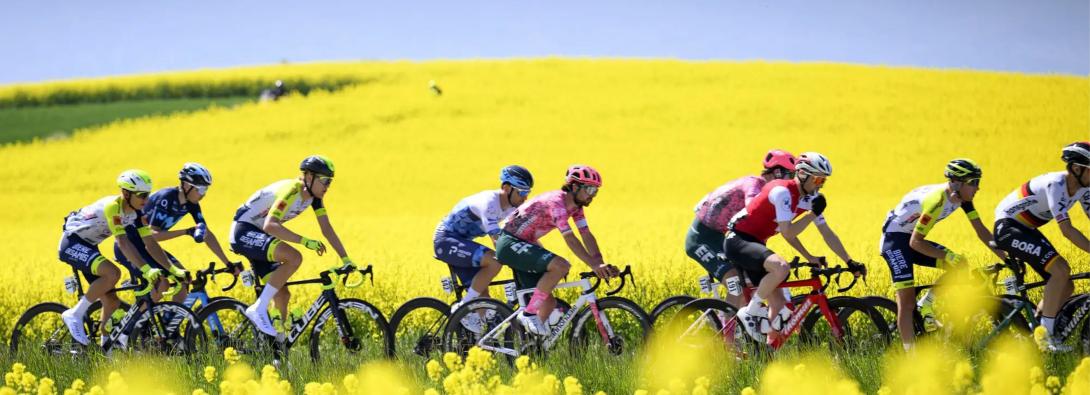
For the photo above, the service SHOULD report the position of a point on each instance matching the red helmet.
(781, 158)
(582, 174)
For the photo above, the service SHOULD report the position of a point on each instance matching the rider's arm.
(930, 212)
(160, 235)
(214, 245)
(577, 248)
(982, 231)
(832, 240)
(327, 229)
(1062, 219)
(274, 225)
(150, 244)
(1074, 235)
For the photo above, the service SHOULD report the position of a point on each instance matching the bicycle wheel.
(417, 327)
(629, 324)
(234, 329)
(41, 332)
(888, 309)
(707, 323)
(358, 330)
(167, 328)
(863, 329)
(494, 315)
(667, 308)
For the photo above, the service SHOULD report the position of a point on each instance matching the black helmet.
(195, 174)
(1077, 153)
(962, 169)
(517, 176)
(317, 164)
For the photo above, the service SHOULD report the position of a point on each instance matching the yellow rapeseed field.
(662, 133)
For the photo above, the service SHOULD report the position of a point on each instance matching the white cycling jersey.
(922, 208)
(1041, 200)
(283, 200)
(102, 219)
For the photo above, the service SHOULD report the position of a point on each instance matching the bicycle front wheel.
(357, 330)
(619, 327)
(167, 328)
(417, 327)
(225, 325)
(40, 332)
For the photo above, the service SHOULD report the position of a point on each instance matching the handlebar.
(211, 272)
(624, 275)
(345, 271)
(831, 274)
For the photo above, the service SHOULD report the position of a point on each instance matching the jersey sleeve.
(1085, 202)
(1053, 193)
(930, 211)
(195, 212)
(580, 220)
(780, 198)
(751, 190)
(112, 213)
(283, 198)
(560, 218)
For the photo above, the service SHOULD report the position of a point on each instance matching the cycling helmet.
(1077, 153)
(962, 169)
(135, 180)
(582, 174)
(517, 176)
(779, 158)
(814, 164)
(317, 164)
(195, 174)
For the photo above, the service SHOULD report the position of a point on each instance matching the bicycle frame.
(586, 298)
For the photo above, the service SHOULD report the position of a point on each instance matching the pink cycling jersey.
(540, 215)
(717, 208)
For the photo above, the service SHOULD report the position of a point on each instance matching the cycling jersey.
(282, 199)
(475, 216)
(102, 219)
(163, 209)
(717, 208)
(1041, 200)
(541, 215)
(779, 200)
(922, 208)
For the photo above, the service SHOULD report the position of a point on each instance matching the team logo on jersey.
(924, 220)
(1028, 248)
(117, 221)
(282, 205)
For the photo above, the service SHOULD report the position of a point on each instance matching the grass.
(24, 124)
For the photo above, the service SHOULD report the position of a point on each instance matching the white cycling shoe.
(751, 321)
(471, 322)
(532, 323)
(261, 320)
(75, 326)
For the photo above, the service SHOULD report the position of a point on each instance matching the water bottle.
(448, 284)
(71, 284)
(199, 231)
(247, 277)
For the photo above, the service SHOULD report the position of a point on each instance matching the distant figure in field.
(274, 93)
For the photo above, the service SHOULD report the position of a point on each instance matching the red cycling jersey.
(779, 200)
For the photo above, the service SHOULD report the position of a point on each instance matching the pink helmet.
(582, 174)
(781, 158)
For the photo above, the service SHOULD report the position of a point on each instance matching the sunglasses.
(973, 182)
(522, 192)
(590, 190)
(325, 180)
(201, 189)
(142, 195)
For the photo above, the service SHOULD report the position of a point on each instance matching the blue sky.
(46, 39)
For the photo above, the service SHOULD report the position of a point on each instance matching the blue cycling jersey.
(163, 209)
(475, 216)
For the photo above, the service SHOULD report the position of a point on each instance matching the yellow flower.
(453, 361)
(748, 391)
(210, 374)
(231, 355)
(46, 387)
(572, 386)
(434, 369)
(199, 391)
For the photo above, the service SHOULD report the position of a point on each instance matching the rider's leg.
(768, 290)
(906, 308)
(1057, 290)
(290, 259)
(282, 297)
(490, 267)
(539, 303)
(108, 276)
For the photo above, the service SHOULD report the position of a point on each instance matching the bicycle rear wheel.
(667, 308)
(629, 324)
(707, 323)
(167, 328)
(234, 329)
(493, 314)
(358, 331)
(863, 329)
(40, 333)
(417, 327)
(888, 309)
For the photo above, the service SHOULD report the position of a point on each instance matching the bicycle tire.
(661, 309)
(623, 339)
(369, 325)
(425, 340)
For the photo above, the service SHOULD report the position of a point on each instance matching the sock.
(470, 295)
(536, 301)
(927, 298)
(1049, 323)
(81, 307)
(266, 296)
(908, 346)
(754, 303)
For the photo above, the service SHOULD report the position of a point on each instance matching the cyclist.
(473, 217)
(258, 233)
(519, 247)
(771, 212)
(1038, 201)
(165, 208)
(85, 228)
(704, 241)
(904, 238)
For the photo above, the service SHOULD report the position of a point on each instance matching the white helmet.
(195, 174)
(135, 180)
(814, 164)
